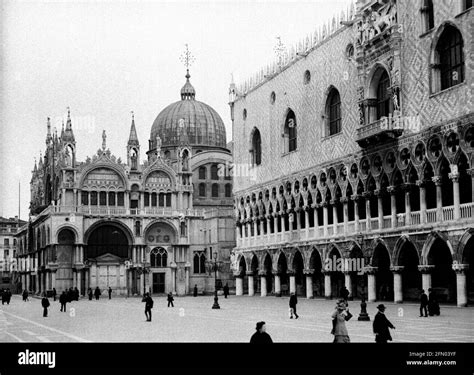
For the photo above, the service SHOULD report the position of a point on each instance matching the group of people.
(97, 293)
(6, 296)
(429, 304)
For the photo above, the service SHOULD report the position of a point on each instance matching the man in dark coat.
(97, 293)
(63, 300)
(381, 325)
(90, 293)
(70, 295)
(293, 302)
(423, 303)
(261, 336)
(195, 290)
(54, 294)
(45, 304)
(25, 295)
(4, 296)
(110, 292)
(76, 294)
(170, 300)
(148, 306)
(226, 290)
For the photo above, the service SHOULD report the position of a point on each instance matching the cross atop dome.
(187, 92)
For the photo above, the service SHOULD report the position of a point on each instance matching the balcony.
(379, 131)
(122, 211)
(446, 214)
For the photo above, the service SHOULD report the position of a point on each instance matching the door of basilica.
(158, 283)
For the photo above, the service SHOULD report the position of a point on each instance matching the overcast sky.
(104, 59)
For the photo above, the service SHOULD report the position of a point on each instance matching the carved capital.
(369, 270)
(308, 271)
(396, 269)
(437, 180)
(460, 268)
(454, 177)
(426, 268)
(344, 200)
(391, 189)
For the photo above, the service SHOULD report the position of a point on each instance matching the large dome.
(202, 125)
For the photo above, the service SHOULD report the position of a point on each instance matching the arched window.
(256, 147)
(202, 173)
(214, 174)
(202, 190)
(168, 199)
(153, 200)
(228, 190)
(449, 52)
(159, 257)
(333, 113)
(383, 96)
(146, 199)
(102, 198)
(85, 198)
(93, 198)
(290, 132)
(199, 262)
(138, 227)
(161, 199)
(215, 190)
(111, 198)
(427, 15)
(121, 199)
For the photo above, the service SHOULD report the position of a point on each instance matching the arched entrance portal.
(411, 276)
(255, 278)
(108, 247)
(383, 276)
(358, 279)
(443, 277)
(298, 267)
(64, 254)
(316, 264)
(337, 276)
(282, 268)
(267, 266)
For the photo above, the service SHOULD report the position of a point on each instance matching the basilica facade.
(360, 147)
(133, 225)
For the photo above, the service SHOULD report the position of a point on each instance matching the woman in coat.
(339, 317)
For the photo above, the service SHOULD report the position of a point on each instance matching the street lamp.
(214, 266)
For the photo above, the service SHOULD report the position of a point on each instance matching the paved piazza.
(193, 320)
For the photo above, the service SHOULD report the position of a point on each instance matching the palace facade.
(133, 225)
(360, 142)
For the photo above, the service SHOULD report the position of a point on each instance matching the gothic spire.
(133, 138)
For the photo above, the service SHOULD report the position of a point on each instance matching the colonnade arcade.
(374, 270)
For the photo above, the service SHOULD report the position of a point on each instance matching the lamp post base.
(216, 303)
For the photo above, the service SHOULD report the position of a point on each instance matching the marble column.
(371, 284)
(407, 205)
(292, 283)
(367, 211)
(251, 283)
(53, 279)
(78, 281)
(439, 198)
(263, 284)
(422, 188)
(316, 220)
(309, 283)
(461, 284)
(306, 221)
(348, 282)
(239, 286)
(355, 198)
(345, 213)
(325, 219)
(397, 284)
(393, 205)
(335, 219)
(277, 285)
(380, 208)
(327, 285)
(456, 198)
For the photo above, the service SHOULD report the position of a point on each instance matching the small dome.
(201, 124)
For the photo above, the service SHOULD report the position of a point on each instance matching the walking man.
(148, 306)
(423, 304)
(195, 290)
(97, 293)
(170, 300)
(25, 295)
(339, 318)
(45, 304)
(345, 294)
(9, 296)
(110, 292)
(293, 302)
(90, 293)
(226, 290)
(54, 294)
(381, 325)
(261, 336)
(63, 300)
